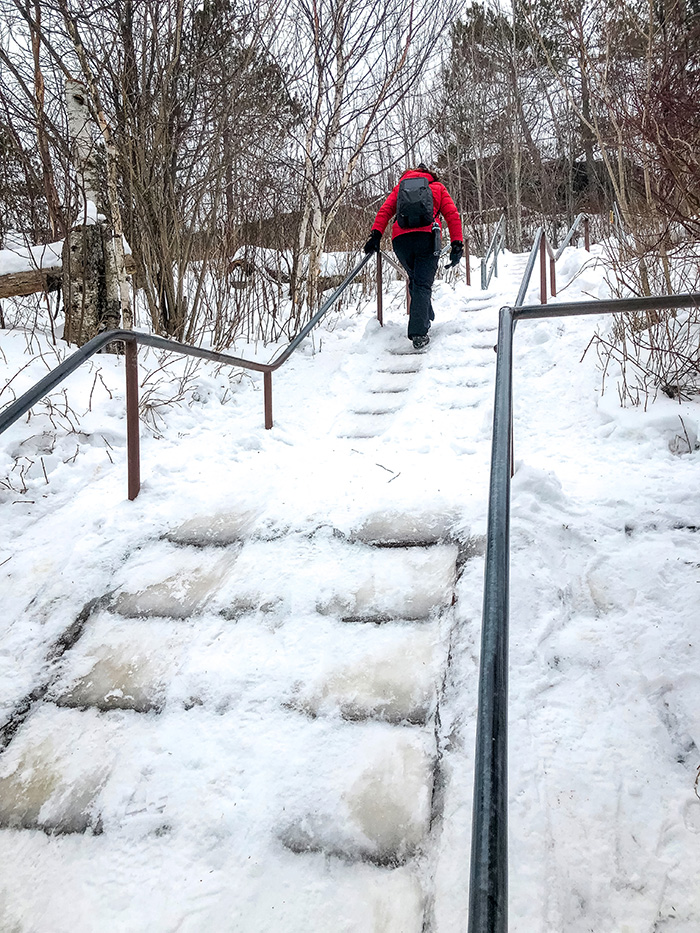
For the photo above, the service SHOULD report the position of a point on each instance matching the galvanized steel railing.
(495, 246)
(580, 219)
(488, 892)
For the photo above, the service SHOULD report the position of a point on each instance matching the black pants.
(415, 253)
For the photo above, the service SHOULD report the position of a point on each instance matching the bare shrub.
(655, 350)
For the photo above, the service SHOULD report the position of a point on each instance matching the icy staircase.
(266, 717)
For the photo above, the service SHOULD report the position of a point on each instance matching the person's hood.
(417, 173)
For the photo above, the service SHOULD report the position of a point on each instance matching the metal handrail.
(580, 219)
(131, 339)
(393, 262)
(495, 245)
(527, 274)
(542, 246)
(488, 888)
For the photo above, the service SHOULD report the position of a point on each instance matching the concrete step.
(362, 792)
(313, 664)
(263, 705)
(331, 576)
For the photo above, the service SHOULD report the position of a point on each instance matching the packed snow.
(245, 701)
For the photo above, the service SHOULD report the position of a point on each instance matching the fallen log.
(47, 279)
(30, 281)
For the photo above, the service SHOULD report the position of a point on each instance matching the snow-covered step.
(388, 673)
(315, 665)
(403, 367)
(458, 379)
(363, 792)
(194, 576)
(193, 883)
(335, 577)
(376, 407)
(390, 382)
(476, 306)
(364, 424)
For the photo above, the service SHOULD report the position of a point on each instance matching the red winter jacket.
(442, 204)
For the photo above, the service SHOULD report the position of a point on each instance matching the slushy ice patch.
(220, 529)
(393, 679)
(122, 664)
(193, 579)
(371, 804)
(49, 777)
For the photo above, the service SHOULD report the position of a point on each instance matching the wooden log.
(30, 281)
(48, 279)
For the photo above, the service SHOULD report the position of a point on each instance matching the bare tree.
(353, 64)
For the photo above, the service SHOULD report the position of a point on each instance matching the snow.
(25, 258)
(252, 690)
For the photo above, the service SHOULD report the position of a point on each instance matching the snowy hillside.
(246, 700)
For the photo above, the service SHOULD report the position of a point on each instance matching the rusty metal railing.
(131, 340)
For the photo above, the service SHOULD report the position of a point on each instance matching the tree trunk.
(83, 283)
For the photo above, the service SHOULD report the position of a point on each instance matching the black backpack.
(414, 206)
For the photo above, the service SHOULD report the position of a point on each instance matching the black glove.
(372, 245)
(456, 253)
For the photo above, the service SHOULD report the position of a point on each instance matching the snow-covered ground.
(246, 700)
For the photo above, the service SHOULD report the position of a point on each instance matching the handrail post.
(466, 256)
(483, 274)
(543, 269)
(267, 393)
(488, 884)
(133, 444)
(380, 288)
(586, 234)
(553, 275)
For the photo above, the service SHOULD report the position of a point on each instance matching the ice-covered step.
(388, 526)
(397, 527)
(125, 664)
(313, 664)
(370, 801)
(363, 791)
(194, 577)
(335, 577)
(295, 573)
(218, 529)
(53, 770)
(386, 673)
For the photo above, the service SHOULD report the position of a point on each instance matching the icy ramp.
(242, 736)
